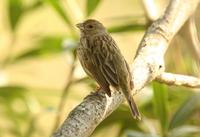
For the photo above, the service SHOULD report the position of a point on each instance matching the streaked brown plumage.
(102, 60)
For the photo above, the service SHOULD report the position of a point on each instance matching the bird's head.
(91, 27)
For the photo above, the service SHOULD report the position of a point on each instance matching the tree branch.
(194, 37)
(64, 95)
(179, 80)
(189, 34)
(147, 65)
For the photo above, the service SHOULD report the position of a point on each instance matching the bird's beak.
(80, 26)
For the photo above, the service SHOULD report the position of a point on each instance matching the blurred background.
(41, 80)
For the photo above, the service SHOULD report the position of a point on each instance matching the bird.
(103, 61)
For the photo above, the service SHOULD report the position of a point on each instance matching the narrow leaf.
(127, 28)
(59, 9)
(9, 92)
(161, 104)
(46, 46)
(15, 12)
(184, 111)
(91, 6)
(183, 131)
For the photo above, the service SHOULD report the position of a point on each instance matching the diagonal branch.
(194, 37)
(147, 65)
(179, 80)
(189, 34)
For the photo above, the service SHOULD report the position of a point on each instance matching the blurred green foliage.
(168, 112)
(15, 10)
(161, 105)
(45, 46)
(60, 10)
(92, 5)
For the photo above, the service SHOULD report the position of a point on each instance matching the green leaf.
(46, 46)
(15, 12)
(177, 96)
(10, 92)
(184, 131)
(59, 9)
(127, 28)
(91, 6)
(184, 111)
(161, 104)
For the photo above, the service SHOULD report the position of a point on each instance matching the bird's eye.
(90, 26)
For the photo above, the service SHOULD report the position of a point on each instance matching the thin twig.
(63, 96)
(80, 80)
(194, 36)
(189, 35)
(179, 80)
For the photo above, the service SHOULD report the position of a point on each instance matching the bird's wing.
(83, 58)
(103, 54)
(87, 60)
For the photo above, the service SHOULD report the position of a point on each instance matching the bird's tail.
(133, 107)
